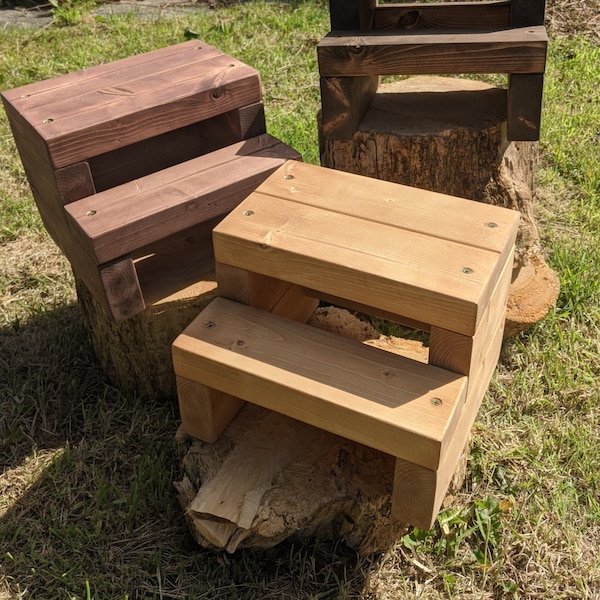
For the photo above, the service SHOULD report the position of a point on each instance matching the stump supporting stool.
(438, 263)
(131, 163)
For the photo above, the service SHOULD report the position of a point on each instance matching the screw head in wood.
(209, 324)
(492, 225)
(436, 401)
(288, 177)
(467, 270)
(248, 213)
(90, 213)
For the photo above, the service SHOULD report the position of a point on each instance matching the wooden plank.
(434, 214)
(345, 54)
(122, 219)
(357, 248)
(173, 147)
(108, 75)
(524, 107)
(344, 102)
(457, 15)
(527, 13)
(382, 400)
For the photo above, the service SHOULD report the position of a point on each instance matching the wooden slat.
(382, 400)
(345, 54)
(442, 15)
(363, 240)
(120, 220)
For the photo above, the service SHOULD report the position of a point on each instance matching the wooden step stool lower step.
(385, 401)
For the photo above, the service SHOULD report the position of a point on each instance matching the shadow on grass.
(87, 505)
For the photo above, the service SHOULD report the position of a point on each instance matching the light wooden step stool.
(369, 40)
(440, 263)
(131, 163)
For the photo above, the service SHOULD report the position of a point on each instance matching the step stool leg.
(205, 412)
(344, 101)
(524, 106)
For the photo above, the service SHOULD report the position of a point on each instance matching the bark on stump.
(449, 135)
(269, 478)
(136, 354)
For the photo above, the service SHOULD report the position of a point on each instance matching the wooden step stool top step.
(431, 258)
(86, 113)
(376, 398)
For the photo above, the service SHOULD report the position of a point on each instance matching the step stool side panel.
(465, 354)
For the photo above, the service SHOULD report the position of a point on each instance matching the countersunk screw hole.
(288, 177)
(90, 213)
(248, 213)
(492, 225)
(209, 324)
(47, 120)
(467, 270)
(436, 402)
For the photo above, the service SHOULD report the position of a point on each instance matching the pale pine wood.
(519, 50)
(205, 412)
(371, 252)
(342, 386)
(120, 220)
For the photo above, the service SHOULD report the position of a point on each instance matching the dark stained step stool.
(127, 159)
(369, 40)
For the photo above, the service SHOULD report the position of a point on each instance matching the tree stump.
(449, 135)
(269, 478)
(136, 354)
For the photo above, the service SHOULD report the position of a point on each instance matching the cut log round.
(136, 354)
(449, 135)
(269, 478)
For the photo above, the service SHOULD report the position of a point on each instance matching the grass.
(87, 508)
